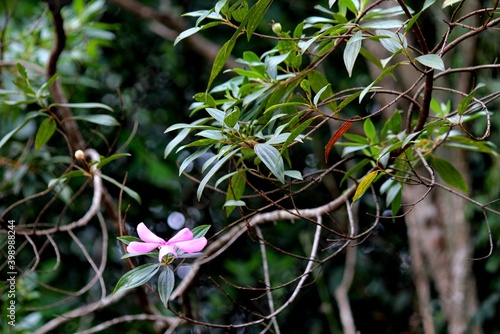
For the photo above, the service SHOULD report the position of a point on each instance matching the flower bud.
(276, 28)
(79, 155)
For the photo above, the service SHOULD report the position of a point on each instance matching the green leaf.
(450, 175)
(393, 193)
(354, 169)
(176, 141)
(370, 130)
(306, 86)
(212, 171)
(192, 126)
(232, 204)
(90, 105)
(272, 64)
(22, 71)
(166, 282)
(45, 132)
(409, 138)
(126, 189)
(271, 157)
(380, 77)
(235, 190)
(427, 4)
(137, 277)
(470, 144)
(296, 132)
(391, 41)
(447, 3)
(187, 33)
(318, 95)
(222, 56)
(364, 184)
(317, 82)
(217, 114)
(105, 161)
(186, 129)
(466, 101)
(255, 16)
(72, 174)
(45, 86)
(192, 158)
(28, 118)
(350, 4)
(232, 117)
(294, 174)
(200, 231)
(126, 239)
(216, 135)
(393, 125)
(432, 61)
(240, 13)
(351, 51)
(206, 99)
(105, 120)
(396, 202)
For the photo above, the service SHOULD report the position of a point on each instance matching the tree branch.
(197, 43)
(69, 125)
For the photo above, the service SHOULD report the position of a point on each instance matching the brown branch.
(91, 212)
(424, 109)
(170, 23)
(69, 126)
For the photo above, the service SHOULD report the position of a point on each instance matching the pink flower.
(183, 241)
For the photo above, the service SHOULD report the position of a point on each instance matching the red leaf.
(336, 136)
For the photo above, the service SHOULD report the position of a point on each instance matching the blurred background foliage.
(115, 58)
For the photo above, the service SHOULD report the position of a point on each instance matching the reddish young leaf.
(336, 136)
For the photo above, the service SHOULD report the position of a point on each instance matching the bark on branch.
(197, 43)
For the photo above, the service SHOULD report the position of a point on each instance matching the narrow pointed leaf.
(380, 77)
(105, 120)
(107, 160)
(126, 189)
(212, 171)
(200, 231)
(294, 174)
(351, 51)
(221, 57)
(21, 70)
(89, 105)
(466, 101)
(255, 16)
(432, 61)
(9, 135)
(192, 158)
(166, 282)
(447, 3)
(232, 204)
(336, 136)
(271, 157)
(176, 141)
(126, 239)
(235, 190)
(45, 132)
(137, 277)
(187, 33)
(363, 185)
(450, 175)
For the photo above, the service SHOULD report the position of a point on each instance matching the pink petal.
(183, 235)
(136, 247)
(191, 246)
(147, 236)
(164, 250)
